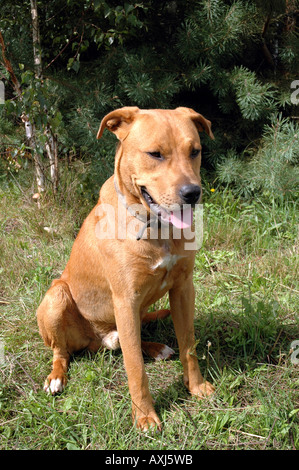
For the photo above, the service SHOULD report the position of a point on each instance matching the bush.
(270, 169)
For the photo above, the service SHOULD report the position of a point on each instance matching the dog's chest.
(168, 262)
(165, 266)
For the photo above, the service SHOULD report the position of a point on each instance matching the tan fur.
(109, 284)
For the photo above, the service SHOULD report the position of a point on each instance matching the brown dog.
(117, 269)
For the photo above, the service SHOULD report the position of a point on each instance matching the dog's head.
(158, 160)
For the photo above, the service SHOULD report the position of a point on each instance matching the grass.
(246, 319)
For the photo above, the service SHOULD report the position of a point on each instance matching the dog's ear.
(200, 121)
(118, 122)
(203, 124)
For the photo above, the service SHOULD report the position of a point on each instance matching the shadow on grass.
(240, 342)
(258, 334)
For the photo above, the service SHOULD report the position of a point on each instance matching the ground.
(246, 320)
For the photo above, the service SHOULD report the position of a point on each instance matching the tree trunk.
(39, 169)
(37, 55)
(51, 143)
(51, 148)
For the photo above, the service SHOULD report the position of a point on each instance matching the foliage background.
(233, 61)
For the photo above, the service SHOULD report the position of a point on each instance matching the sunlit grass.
(246, 318)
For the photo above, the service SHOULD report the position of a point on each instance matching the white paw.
(55, 386)
(111, 340)
(165, 353)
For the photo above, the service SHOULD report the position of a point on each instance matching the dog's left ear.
(200, 121)
(118, 122)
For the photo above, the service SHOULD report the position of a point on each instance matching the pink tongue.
(182, 219)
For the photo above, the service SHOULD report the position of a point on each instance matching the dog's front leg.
(182, 299)
(128, 326)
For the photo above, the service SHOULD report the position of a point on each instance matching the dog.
(111, 279)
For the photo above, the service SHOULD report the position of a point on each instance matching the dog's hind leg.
(56, 381)
(63, 329)
(157, 351)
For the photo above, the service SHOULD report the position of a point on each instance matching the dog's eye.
(194, 153)
(156, 155)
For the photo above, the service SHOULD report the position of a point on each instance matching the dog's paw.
(149, 423)
(203, 390)
(53, 386)
(157, 351)
(165, 353)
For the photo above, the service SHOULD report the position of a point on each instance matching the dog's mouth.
(180, 218)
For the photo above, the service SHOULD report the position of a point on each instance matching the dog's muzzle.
(181, 216)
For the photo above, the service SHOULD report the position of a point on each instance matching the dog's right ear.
(118, 122)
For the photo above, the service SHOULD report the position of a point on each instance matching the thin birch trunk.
(39, 169)
(37, 53)
(51, 143)
(51, 148)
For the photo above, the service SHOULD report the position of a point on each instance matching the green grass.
(246, 319)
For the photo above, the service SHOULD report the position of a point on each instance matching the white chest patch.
(168, 262)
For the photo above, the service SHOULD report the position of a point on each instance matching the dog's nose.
(190, 193)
